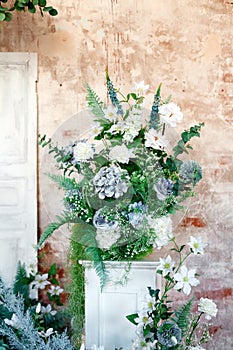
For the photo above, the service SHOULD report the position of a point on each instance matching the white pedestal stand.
(106, 311)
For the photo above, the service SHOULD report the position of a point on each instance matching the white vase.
(105, 311)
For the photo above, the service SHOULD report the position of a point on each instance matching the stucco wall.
(185, 44)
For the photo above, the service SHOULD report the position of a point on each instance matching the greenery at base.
(76, 306)
(24, 5)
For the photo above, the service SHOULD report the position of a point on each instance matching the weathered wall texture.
(188, 46)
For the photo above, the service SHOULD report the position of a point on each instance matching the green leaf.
(94, 102)
(31, 8)
(35, 2)
(53, 269)
(132, 318)
(8, 17)
(2, 16)
(47, 8)
(3, 9)
(53, 12)
(154, 293)
(42, 3)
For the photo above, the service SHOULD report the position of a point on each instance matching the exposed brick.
(192, 221)
(215, 294)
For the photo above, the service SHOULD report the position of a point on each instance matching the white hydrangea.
(121, 154)
(208, 307)
(163, 230)
(83, 151)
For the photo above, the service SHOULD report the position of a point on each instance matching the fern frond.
(85, 234)
(94, 102)
(21, 283)
(65, 218)
(182, 316)
(64, 182)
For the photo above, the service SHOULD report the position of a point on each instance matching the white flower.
(140, 88)
(110, 113)
(196, 348)
(148, 303)
(13, 322)
(166, 265)
(197, 245)
(55, 290)
(208, 307)
(40, 281)
(170, 114)
(155, 139)
(185, 279)
(95, 347)
(48, 310)
(47, 333)
(121, 154)
(107, 237)
(129, 134)
(117, 128)
(38, 308)
(163, 230)
(83, 151)
(95, 130)
(143, 319)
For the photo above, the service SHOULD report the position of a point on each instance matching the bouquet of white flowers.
(122, 184)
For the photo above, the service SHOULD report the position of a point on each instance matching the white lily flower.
(40, 281)
(197, 245)
(48, 310)
(47, 333)
(140, 88)
(166, 265)
(13, 322)
(110, 113)
(185, 279)
(55, 290)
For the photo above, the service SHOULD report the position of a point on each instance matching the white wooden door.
(18, 158)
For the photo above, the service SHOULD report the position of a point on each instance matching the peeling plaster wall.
(187, 45)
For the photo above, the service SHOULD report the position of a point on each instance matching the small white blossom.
(148, 303)
(155, 140)
(13, 322)
(38, 308)
(143, 319)
(95, 130)
(55, 290)
(185, 279)
(140, 88)
(196, 348)
(208, 307)
(110, 113)
(83, 151)
(197, 245)
(166, 265)
(40, 281)
(47, 333)
(170, 114)
(121, 154)
(48, 310)
(129, 134)
(117, 128)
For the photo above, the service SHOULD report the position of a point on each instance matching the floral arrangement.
(28, 323)
(159, 324)
(122, 183)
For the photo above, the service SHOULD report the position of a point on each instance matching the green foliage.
(186, 136)
(76, 304)
(94, 103)
(182, 316)
(63, 219)
(25, 5)
(21, 284)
